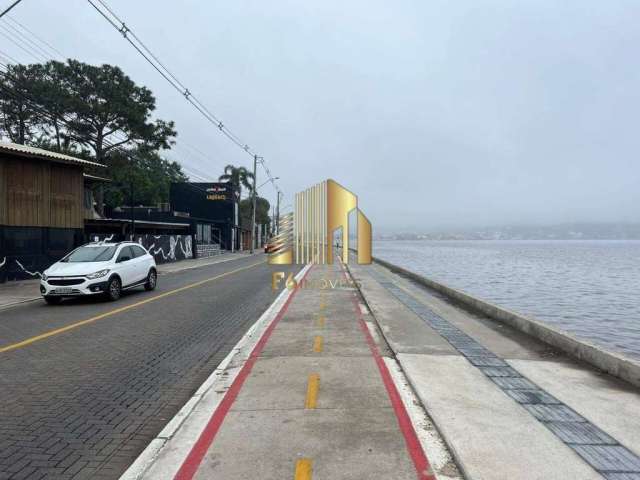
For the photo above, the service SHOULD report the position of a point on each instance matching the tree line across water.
(100, 114)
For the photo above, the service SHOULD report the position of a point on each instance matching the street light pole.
(253, 214)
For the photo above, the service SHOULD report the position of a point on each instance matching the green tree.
(19, 115)
(239, 177)
(146, 171)
(262, 212)
(105, 105)
(96, 113)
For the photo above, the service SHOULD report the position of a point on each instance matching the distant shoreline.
(564, 231)
(387, 239)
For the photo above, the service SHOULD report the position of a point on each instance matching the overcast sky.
(435, 113)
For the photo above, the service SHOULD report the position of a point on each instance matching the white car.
(99, 268)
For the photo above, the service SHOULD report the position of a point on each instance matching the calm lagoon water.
(589, 288)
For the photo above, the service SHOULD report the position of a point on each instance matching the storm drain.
(601, 451)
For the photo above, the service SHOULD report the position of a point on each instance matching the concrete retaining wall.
(609, 362)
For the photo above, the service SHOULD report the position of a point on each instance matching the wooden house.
(42, 208)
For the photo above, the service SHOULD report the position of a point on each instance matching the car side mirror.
(124, 259)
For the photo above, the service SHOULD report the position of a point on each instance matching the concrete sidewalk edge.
(245, 345)
(438, 449)
(19, 302)
(188, 265)
(612, 363)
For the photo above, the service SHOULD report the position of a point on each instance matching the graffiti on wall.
(164, 248)
(167, 248)
(33, 274)
(21, 270)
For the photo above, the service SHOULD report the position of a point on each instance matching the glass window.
(138, 251)
(203, 234)
(91, 254)
(199, 232)
(125, 252)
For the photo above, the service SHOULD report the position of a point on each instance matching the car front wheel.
(52, 300)
(114, 289)
(152, 280)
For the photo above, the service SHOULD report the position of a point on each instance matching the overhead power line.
(22, 46)
(32, 48)
(21, 41)
(53, 51)
(64, 120)
(14, 30)
(129, 35)
(8, 57)
(6, 10)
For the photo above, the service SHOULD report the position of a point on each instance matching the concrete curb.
(19, 302)
(221, 378)
(202, 265)
(609, 362)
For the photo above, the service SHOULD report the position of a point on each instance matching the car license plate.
(63, 290)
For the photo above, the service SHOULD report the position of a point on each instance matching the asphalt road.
(84, 386)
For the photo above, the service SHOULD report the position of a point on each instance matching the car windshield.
(91, 254)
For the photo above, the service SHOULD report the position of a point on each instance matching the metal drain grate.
(580, 433)
(499, 372)
(601, 451)
(532, 397)
(609, 457)
(513, 383)
(622, 476)
(487, 362)
(554, 413)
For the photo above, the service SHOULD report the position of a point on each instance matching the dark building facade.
(213, 210)
(210, 210)
(42, 208)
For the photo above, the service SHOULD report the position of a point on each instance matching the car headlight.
(98, 274)
(45, 276)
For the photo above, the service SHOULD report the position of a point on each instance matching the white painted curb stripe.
(442, 464)
(146, 459)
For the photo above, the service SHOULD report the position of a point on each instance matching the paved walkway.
(508, 405)
(319, 391)
(314, 398)
(14, 293)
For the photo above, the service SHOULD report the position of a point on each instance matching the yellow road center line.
(312, 391)
(317, 344)
(304, 469)
(321, 321)
(81, 323)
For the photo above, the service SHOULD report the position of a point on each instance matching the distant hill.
(568, 231)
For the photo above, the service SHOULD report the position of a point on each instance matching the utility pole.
(253, 214)
(272, 231)
(278, 214)
(9, 8)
